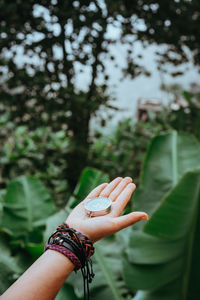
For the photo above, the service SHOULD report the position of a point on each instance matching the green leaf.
(107, 256)
(2, 195)
(150, 253)
(66, 292)
(27, 202)
(6, 258)
(168, 158)
(151, 277)
(89, 179)
(176, 222)
(175, 215)
(162, 260)
(34, 249)
(53, 221)
(167, 293)
(107, 265)
(9, 269)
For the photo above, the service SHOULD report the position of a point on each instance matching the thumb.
(130, 219)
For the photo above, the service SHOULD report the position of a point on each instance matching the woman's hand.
(119, 191)
(46, 276)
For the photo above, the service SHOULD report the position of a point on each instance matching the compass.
(98, 206)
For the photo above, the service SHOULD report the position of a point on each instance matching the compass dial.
(98, 206)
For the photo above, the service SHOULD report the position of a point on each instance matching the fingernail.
(144, 218)
(128, 178)
(132, 185)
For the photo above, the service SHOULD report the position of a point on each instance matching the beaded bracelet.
(77, 247)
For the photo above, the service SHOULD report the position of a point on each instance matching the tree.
(55, 38)
(172, 24)
(45, 45)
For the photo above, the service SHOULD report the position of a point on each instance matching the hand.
(119, 191)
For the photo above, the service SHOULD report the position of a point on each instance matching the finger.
(130, 219)
(119, 188)
(122, 200)
(106, 192)
(95, 192)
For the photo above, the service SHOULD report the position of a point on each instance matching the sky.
(128, 91)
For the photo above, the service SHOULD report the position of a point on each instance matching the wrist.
(59, 261)
(77, 248)
(72, 243)
(80, 229)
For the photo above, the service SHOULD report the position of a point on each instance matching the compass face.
(98, 204)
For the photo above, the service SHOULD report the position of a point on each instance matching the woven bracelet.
(77, 247)
(68, 253)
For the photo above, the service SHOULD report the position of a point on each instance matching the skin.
(46, 276)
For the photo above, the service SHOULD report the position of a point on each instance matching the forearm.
(43, 279)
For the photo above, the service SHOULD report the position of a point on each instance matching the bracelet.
(75, 246)
(68, 253)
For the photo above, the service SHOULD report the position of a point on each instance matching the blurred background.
(91, 90)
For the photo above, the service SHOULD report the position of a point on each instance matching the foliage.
(26, 204)
(39, 152)
(157, 255)
(169, 156)
(42, 152)
(162, 23)
(162, 256)
(38, 89)
(186, 116)
(23, 226)
(123, 150)
(46, 45)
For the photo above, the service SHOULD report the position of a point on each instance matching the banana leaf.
(26, 205)
(169, 156)
(162, 260)
(169, 261)
(66, 292)
(9, 268)
(107, 265)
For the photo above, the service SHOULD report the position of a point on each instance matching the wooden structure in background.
(144, 106)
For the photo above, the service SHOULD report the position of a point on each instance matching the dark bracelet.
(77, 247)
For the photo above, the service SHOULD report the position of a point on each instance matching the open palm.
(119, 191)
